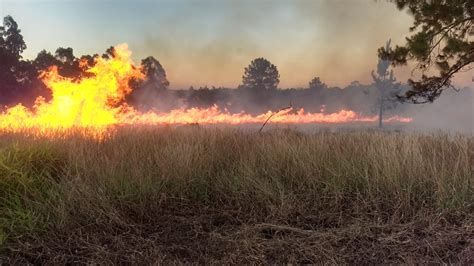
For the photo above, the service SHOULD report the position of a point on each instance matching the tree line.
(20, 82)
(442, 39)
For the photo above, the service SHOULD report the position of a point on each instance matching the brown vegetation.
(148, 195)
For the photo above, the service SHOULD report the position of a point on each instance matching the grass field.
(173, 195)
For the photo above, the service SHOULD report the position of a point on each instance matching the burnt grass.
(193, 195)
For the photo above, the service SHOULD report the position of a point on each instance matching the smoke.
(206, 43)
(453, 112)
(210, 43)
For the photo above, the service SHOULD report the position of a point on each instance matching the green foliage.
(441, 38)
(29, 188)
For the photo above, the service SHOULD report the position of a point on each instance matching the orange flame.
(96, 103)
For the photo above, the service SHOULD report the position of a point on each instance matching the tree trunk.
(380, 113)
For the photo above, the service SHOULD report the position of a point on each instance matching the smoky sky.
(209, 42)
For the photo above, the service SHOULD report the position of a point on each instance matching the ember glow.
(96, 103)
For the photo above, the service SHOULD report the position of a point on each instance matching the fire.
(87, 103)
(214, 115)
(96, 103)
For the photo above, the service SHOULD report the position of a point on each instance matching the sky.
(210, 42)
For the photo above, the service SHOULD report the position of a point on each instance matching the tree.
(12, 46)
(68, 65)
(88, 61)
(11, 40)
(65, 55)
(155, 75)
(147, 92)
(441, 37)
(261, 75)
(109, 53)
(317, 84)
(384, 82)
(44, 60)
(65, 60)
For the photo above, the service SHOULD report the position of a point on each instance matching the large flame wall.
(97, 102)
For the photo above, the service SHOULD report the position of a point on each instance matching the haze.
(209, 42)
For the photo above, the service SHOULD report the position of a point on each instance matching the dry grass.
(187, 194)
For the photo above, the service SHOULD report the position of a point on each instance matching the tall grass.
(283, 176)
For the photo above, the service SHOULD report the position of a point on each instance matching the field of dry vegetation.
(173, 195)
